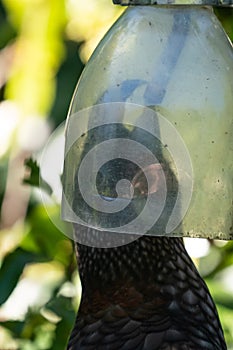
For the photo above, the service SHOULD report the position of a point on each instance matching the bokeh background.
(44, 45)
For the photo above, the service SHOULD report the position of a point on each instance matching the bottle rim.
(219, 3)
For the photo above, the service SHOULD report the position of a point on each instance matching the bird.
(144, 295)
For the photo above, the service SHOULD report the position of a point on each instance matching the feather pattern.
(144, 295)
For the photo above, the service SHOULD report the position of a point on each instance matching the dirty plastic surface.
(178, 63)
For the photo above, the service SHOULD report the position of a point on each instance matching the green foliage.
(34, 179)
(62, 306)
(39, 26)
(216, 268)
(225, 16)
(12, 269)
(7, 32)
(43, 244)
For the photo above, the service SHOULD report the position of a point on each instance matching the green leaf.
(45, 239)
(15, 327)
(11, 270)
(35, 179)
(62, 307)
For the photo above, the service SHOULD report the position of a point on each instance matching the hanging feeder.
(149, 132)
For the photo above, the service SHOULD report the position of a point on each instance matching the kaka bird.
(143, 295)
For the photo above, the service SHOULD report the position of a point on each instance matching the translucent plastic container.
(159, 84)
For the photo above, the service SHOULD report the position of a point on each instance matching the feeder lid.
(174, 2)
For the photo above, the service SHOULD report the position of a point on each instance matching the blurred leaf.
(39, 51)
(35, 332)
(220, 295)
(227, 325)
(67, 78)
(62, 307)
(224, 257)
(11, 270)
(3, 177)
(45, 239)
(225, 15)
(33, 320)
(227, 256)
(7, 31)
(14, 327)
(35, 179)
(210, 262)
(224, 303)
(43, 236)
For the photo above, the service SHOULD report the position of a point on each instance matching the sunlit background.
(44, 45)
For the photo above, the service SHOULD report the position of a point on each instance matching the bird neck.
(143, 259)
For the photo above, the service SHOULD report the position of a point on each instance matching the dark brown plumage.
(145, 295)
